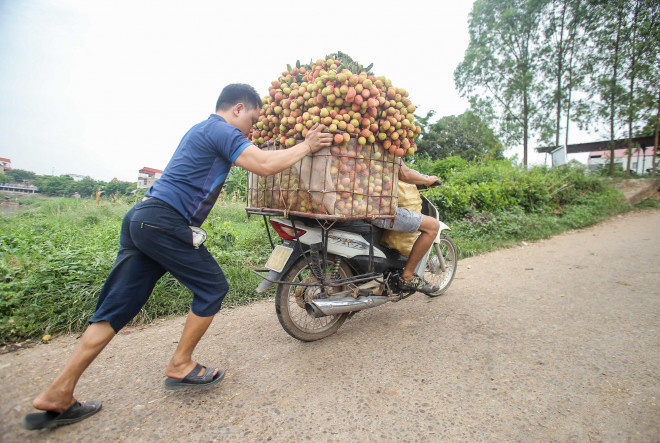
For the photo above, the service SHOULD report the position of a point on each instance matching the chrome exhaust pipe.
(332, 306)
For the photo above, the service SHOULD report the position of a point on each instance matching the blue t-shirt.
(193, 178)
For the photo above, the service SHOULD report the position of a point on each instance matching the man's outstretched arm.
(271, 162)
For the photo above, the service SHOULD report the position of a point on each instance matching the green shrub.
(498, 185)
(447, 166)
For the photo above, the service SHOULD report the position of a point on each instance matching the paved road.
(552, 341)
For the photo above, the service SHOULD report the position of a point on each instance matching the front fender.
(443, 227)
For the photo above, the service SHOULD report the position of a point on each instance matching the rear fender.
(274, 275)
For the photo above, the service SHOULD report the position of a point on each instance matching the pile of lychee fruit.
(373, 124)
(350, 104)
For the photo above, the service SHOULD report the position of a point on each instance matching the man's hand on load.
(317, 139)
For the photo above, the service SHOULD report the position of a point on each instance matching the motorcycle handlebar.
(437, 184)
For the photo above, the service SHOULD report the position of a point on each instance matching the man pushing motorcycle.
(162, 234)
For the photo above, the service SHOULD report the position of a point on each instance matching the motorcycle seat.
(356, 226)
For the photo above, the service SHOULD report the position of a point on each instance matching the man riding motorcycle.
(411, 221)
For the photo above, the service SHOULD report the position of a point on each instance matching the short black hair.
(238, 93)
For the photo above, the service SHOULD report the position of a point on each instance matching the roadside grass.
(55, 253)
(487, 231)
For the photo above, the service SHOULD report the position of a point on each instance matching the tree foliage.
(19, 175)
(54, 185)
(465, 135)
(118, 188)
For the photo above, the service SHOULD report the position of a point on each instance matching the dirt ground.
(557, 340)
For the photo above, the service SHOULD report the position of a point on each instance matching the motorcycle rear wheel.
(290, 299)
(434, 273)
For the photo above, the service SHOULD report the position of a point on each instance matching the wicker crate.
(347, 182)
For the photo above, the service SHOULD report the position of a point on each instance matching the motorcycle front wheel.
(290, 300)
(434, 273)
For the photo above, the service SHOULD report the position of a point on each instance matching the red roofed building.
(5, 164)
(147, 177)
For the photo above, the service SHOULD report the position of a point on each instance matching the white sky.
(104, 88)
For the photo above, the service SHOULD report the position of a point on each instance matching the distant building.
(147, 177)
(5, 164)
(600, 151)
(18, 188)
(641, 162)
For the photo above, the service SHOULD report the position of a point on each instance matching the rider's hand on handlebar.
(432, 181)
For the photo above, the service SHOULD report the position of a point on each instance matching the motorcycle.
(327, 271)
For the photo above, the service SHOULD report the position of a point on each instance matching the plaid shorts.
(405, 221)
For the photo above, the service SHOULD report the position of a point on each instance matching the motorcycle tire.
(434, 273)
(290, 300)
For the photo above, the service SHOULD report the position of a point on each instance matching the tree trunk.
(569, 99)
(633, 70)
(655, 145)
(525, 126)
(560, 73)
(613, 89)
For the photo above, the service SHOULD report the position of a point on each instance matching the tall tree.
(606, 28)
(575, 70)
(501, 63)
(655, 147)
(649, 71)
(563, 40)
(632, 73)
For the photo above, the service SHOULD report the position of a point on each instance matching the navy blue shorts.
(156, 239)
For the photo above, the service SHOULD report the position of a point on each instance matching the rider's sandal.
(417, 284)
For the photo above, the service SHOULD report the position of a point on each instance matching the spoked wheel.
(434, 273)
(290, 300)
